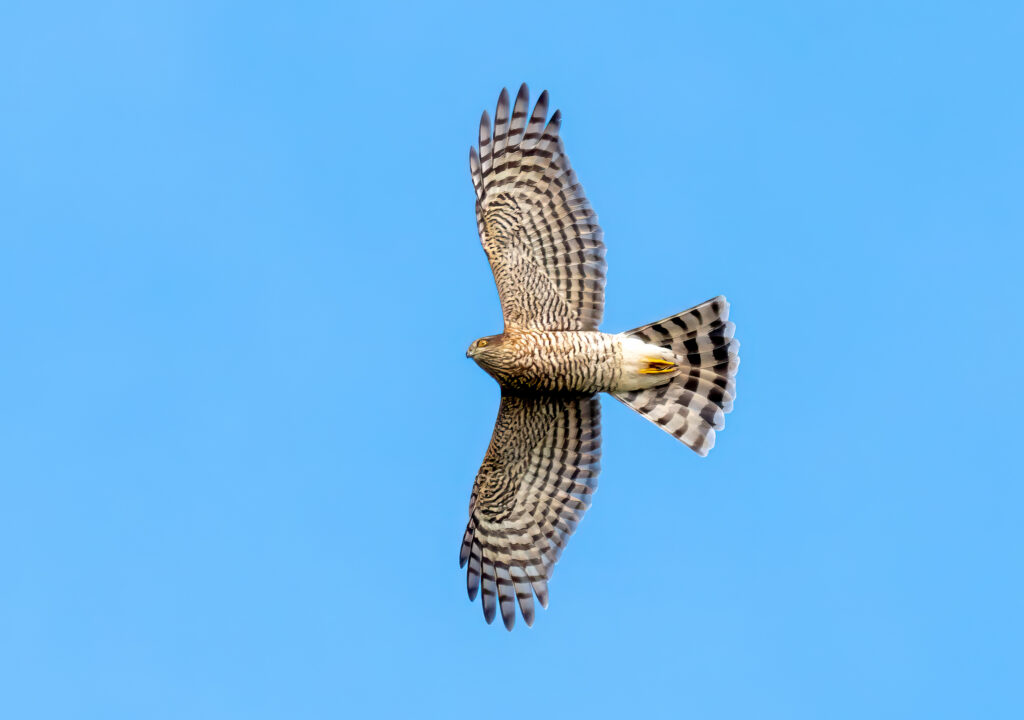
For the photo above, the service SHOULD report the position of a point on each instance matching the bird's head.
(488, 351)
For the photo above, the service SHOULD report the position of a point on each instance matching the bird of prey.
(546, 251)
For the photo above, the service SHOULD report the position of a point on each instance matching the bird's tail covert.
(692, 405)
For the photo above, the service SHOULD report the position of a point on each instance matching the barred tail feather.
(692, 405)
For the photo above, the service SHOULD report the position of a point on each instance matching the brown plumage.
(547, 254)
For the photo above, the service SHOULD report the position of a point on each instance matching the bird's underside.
(574, 361)
(547, 254)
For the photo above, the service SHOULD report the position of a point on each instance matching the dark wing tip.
(540, 589)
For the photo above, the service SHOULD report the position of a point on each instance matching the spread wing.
(537, 228)
(533, 487)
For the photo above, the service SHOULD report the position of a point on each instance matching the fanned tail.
(692, 405)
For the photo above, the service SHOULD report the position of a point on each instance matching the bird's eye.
(481, 343)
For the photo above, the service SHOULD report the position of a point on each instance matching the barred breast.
(561, 361)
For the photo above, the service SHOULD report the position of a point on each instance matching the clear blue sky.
(239, 270)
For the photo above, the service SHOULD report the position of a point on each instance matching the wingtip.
(541, 591)
(707, 445)
(526, 607)
(523, 97)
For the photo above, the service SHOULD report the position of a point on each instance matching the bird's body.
(581, 361)
(546, 251)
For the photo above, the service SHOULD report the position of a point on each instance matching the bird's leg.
(657, 366)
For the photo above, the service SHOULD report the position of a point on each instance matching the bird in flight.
(546, 251)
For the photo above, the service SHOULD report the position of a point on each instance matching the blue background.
(239, 270)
